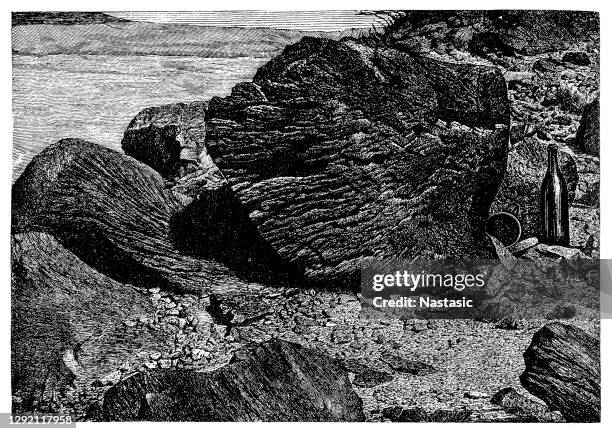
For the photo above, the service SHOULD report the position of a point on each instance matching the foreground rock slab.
(274, 381)
(562, 368)
(68, 322)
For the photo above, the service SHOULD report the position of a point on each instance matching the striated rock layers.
(67, 325)
(341, 152)
(273, 381)
(562, 368)
(112, 212)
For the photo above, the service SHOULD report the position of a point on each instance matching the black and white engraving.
(196, 195)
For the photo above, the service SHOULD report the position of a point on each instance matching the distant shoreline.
(63, 18)
(142, 39)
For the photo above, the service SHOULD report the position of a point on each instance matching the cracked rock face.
(172, 140)
(112, 212)
(254, 386)
(342, 152)
(167, 138)
(562, 367)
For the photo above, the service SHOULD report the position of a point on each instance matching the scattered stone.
(109, 380)
(476, 395)
(510, 323)
(164, 363)
(401, 364)
(546, 65)
(198, 354)
(522, 246)
(587, 137)
(341, 336)
(563, 311)
(365, 376)
(561, 252)
(523, 77)
(525, 408)
(240, 306)
(579, 58)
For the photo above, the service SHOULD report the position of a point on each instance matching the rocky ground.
(451, 365)
(403, 370)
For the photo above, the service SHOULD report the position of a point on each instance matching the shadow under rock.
(217, 226)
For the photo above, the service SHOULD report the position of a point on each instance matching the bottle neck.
(553, 164)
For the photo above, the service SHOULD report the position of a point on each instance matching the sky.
(294, 20)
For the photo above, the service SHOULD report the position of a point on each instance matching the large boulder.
(340, 152)
(171, 139)
(273, 381)
(562, 368)
(112, 212)
(587, 137)
(167, 138)
(68, 322)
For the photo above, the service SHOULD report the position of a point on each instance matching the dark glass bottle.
(554, 208)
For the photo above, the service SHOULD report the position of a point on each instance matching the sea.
(94, 97)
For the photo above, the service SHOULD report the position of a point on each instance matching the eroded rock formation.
(273, 381)
(362, 152)
(562, 368)
(67, 324)
(111, 211)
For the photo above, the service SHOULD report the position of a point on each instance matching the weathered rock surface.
(366, 376)
(169, 138)
(68, 322)
(172, 140)
(112, 212)
(579, 58)
(274, 381)
(362, 153)
(502, 32)
(587, 137)
(526, 409)
(397, 413)
(562, 368)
